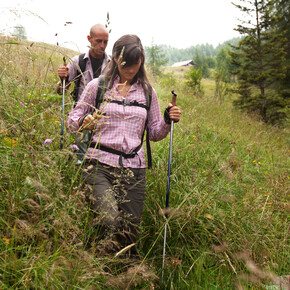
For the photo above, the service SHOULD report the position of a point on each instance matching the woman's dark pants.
(117, 197)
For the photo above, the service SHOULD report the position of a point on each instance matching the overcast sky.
(178, 23)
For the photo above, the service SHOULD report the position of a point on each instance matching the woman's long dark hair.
(128, 49)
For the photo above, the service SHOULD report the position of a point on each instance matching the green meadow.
(228, 219)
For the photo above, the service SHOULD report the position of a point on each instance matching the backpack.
(99, 99)
(81, 69)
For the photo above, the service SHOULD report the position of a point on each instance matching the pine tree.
(200, 62)
(155, 58)
(222, 73)
(223, 63)
(259, 60)
(282, 12)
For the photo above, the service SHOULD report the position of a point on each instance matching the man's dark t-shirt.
(96, 65)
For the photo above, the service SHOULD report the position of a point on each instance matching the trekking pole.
(62, 109)
(168, 182)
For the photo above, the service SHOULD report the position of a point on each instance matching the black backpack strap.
(149, 156)
(81, 69)
(117, 152)
(101, 91)
(126, 103)
(99, 99)
(148, 95)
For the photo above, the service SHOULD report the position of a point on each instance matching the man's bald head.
(98, 39)
(98, 28)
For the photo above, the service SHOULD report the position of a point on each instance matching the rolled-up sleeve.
(158, 129)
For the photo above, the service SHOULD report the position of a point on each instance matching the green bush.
(193, 80)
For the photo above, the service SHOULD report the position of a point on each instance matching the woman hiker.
(115, 166)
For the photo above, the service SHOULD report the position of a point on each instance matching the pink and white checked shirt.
(122, 127)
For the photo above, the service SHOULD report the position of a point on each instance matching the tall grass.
(228, 221)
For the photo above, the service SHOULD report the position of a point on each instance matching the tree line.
(173, 55)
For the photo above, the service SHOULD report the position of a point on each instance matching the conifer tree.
(282, 12)
(259, 60)
(223, 63)
(155, 58)
(200, 62)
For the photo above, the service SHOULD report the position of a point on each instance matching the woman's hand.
(174, 112)
(88, 122)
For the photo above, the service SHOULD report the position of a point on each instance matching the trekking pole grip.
(64, 61)
(173, 102)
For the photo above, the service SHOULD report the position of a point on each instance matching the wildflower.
(47, 141)
(175, 261)
(209, 216)
(6, 241)
(74, 147)
(260, 188)
(254, 161)
(193, 136)
(22, 104)
(203, 171)
(9, 142)
(259, 163)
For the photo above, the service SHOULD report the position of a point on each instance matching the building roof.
(183, 63)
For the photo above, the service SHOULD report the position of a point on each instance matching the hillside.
(228, 222)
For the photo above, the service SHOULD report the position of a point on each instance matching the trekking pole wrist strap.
(166, 116)
(81, 121)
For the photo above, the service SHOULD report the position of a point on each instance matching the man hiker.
(85, 67)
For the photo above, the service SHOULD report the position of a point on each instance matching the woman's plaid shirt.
(122, 126)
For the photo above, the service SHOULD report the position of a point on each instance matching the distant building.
(183, 63)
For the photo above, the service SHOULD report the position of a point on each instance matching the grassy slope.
(231, 188)
(229, 191)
